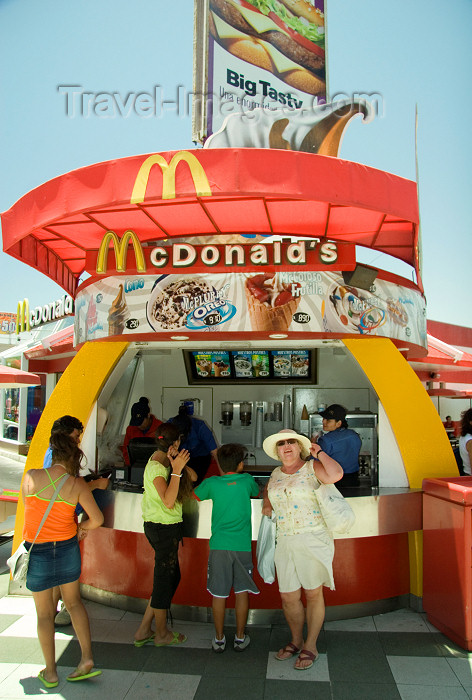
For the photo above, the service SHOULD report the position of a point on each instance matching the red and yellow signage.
(26, 319)
(200, 180)
(7, 323)
(314, 254)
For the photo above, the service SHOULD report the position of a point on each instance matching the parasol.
(11, 378)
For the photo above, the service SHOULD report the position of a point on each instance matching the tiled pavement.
(394, 655)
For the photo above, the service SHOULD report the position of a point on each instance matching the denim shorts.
(52, 564)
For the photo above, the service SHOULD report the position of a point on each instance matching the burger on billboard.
(259, 53)
(294, 28)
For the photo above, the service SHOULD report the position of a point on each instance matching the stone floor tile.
(164, 685)
(284, 670)
(400, 621)
(415, 670)
(359, 624)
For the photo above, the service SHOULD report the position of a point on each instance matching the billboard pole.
(200, 70)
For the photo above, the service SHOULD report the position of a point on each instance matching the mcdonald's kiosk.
(220, 274)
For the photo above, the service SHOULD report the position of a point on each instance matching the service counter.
(371, 563)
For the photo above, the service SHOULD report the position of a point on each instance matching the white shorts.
(304, 561)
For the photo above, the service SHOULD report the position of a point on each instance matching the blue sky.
(408, 54)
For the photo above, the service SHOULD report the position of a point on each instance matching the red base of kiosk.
(365, 569)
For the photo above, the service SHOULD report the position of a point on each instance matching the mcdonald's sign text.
(26, 319)
(316, 254)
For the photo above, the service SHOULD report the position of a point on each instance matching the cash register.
(139, 451)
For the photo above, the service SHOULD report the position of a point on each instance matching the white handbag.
(336, 511)
(18, 563)
(265, 549)
(19, 560)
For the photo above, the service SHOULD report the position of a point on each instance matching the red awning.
(259, 191)
(55, 344)
(444, 364)
(441, 354)
(12, 378)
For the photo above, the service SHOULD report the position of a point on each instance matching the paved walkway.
(394, 655)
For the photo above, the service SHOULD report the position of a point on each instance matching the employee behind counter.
(198, 439)
(143, 424)
(341, 443)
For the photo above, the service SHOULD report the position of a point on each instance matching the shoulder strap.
(48, 509)
(47, 485)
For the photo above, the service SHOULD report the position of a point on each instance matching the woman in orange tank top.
(55, 556)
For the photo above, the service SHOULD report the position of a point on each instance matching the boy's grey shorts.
(228, 570)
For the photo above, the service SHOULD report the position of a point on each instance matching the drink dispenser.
(227, 412)
(245, 413)
(237, 424)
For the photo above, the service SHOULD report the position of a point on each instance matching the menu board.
(251, 366)
(251, 363)
(212, 364)
(291, 364)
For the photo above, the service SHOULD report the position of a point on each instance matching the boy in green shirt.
(230, 562)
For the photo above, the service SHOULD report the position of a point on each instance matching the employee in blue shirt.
(341, 443)
(198, 439)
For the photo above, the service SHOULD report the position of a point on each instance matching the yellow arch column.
(75, 394)
(424, 445)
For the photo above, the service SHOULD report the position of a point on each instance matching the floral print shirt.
(294, 501)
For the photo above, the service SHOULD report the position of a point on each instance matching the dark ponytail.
(66, 451)
(166, 435)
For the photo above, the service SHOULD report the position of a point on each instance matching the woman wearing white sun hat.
(305, 548)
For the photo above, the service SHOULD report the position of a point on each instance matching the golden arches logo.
(200, 180)
(121, 249)
(22, 316)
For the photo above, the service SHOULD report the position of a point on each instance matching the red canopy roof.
(12, 378)
(55, 344)
(260, 191)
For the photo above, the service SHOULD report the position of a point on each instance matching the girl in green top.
(167, 482)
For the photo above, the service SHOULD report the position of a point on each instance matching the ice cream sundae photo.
(397, 313)
(270, 302)
(242, 366)
(173, 299)
(300, 366)
(204, 367)
(282, 366)
(220, 368)
(348, 310)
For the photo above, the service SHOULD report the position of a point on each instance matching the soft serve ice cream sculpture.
(316, 130)
(270, 303)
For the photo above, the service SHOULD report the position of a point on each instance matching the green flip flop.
(83, 676)
(175, 640)
(47, 684)
(142, 642)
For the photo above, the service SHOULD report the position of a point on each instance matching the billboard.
(252, 54)
(7, 323)
(266, 301)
